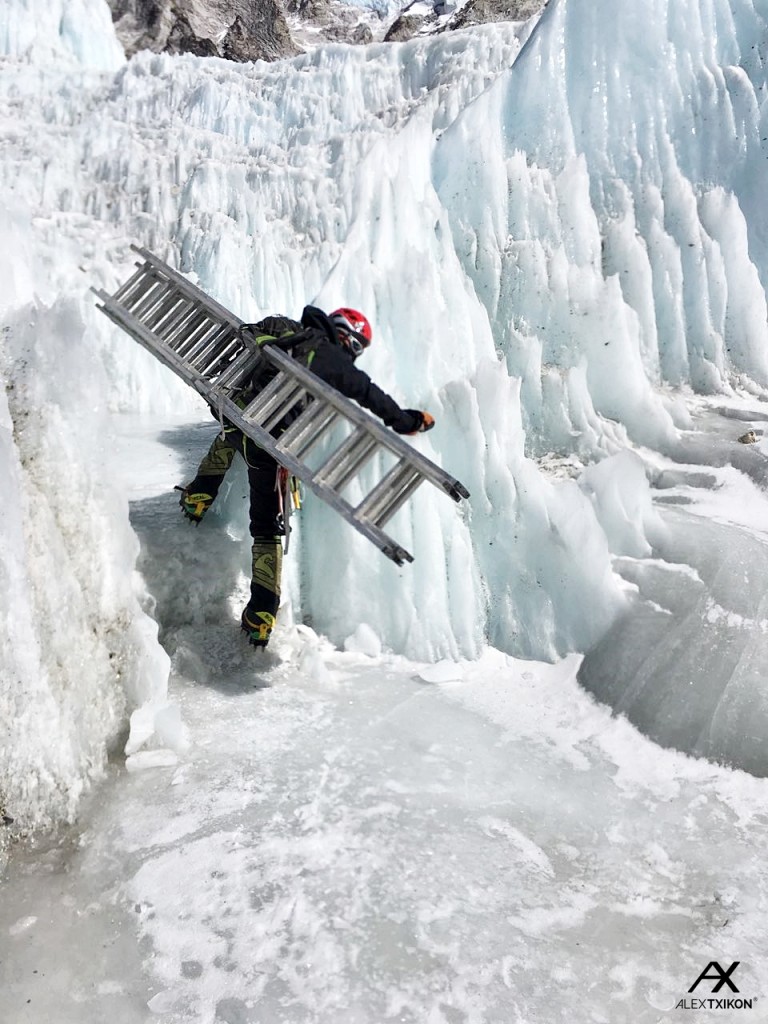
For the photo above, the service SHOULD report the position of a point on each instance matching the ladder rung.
(225, 344)
(125, 291)
(206, 338)
(149, 298)
(229, 343)
(162, 321)
(306, 431)
(207, 356)
(389, 494)
(147, 277)
(291, 402)
(169, 330)
(176, 333)
(347, 461)
(274, 402)
(163, 310)
(196, 331)
(235, 375)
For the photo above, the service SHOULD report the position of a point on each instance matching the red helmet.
(353, 327)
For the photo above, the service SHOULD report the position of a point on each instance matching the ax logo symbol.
(718, 974)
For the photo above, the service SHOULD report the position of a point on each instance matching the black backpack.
(291, 337)
(288, 335)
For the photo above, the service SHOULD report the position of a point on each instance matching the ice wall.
(610, 222)
(77, 651)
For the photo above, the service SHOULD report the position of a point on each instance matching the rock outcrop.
(404, 27)
(246, 30)
(443, 16)
(238, 30)
(482, 12)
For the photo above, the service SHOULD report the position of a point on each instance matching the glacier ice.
(77, 33)
(559, 235)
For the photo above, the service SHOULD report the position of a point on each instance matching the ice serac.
(77, 649)
(73, 32)
(611, 226)
(622, 239)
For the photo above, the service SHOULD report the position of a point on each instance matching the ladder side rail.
(127, 288)
(351, 411)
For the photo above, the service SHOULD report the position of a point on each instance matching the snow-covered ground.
(414, 810)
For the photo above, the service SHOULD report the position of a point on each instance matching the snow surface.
(414, 809)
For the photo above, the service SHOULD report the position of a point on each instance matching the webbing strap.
(220, 410)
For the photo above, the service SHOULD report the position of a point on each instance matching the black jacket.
(334, 363)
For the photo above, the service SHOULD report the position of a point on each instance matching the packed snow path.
(358, 838)
(366, 851)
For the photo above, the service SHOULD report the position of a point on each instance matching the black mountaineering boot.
(195, 504)
(258, 626)
(259, 616)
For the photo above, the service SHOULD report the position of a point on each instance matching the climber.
(329, 346)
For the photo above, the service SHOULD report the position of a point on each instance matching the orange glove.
(423, 419)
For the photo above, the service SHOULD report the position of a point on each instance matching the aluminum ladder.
(203, 343)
